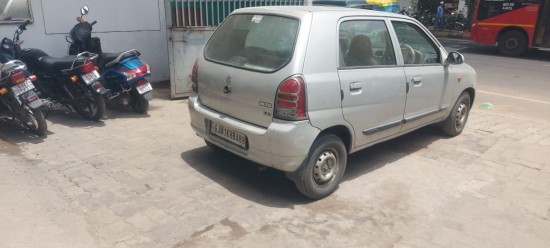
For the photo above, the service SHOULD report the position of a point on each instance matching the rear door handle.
(355, 86)
(416, 80)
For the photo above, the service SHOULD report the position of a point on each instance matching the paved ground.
(148, 181)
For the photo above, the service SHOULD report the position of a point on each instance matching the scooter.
(18, 98)
(124, 74)
(69, 81)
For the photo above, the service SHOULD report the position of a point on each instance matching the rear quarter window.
(262, 43)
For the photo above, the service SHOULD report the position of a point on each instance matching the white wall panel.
(122, 25)
(112, 16)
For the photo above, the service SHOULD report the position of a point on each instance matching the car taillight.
(290, 102)
(88, 67)
(18, 77)
(194, 77)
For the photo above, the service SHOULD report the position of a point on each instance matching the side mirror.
(84, 10)
(454, 58)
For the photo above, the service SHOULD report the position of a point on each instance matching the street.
(515, 86)
(149, 181)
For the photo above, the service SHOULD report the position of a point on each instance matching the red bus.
(515, 25)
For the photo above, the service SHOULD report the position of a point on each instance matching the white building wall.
(122, 25)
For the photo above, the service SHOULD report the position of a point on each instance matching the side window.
(416, 47)
(365, 43)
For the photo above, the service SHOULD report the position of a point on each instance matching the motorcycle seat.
(105, 58)
(111, 59)
(51, 64)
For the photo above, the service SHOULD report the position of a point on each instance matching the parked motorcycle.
(456, 21)
(18, 98)
(69, 81)
(125, 74)
(426, 17)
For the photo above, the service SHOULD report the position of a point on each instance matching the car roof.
(299, 11)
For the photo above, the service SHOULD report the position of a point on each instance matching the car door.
(373, 87)
(427, 78)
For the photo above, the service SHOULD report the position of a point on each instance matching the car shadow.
(379, 155)
(244, 178)
(13, 132)
(272, 188)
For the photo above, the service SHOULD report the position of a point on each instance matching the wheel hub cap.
(325, 167)
(511, 43)
(461, 115)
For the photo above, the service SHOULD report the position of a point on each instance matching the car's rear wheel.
(324, 167)
(456, 121)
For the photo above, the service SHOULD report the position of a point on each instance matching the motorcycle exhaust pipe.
(114, 95)
(49, 104)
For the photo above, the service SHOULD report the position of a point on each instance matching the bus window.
(491, 8)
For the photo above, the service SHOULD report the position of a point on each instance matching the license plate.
(144, 88)
(90, 77)
(22, 87)
(228, 134)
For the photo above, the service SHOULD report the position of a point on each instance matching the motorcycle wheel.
(138, 102)
(34, 120)
(91, 107)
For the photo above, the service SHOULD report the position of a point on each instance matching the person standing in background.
(439, 16)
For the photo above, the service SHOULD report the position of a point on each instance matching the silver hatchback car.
(298, 88)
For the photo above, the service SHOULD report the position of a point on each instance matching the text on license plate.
(144, 88)
(90, 77)
(22, 87)
(230, 135)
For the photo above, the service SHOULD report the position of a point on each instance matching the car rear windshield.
(254, 42)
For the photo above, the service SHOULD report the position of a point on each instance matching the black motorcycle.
(18, 98)
(69, 81)
(456, 21)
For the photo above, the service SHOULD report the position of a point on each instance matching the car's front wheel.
(324, 167)
(456, 121)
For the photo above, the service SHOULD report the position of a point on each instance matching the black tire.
(456, 121)
(34, 120)
(138, 102)
(212, 146)
(512, 43)
(324, 167)
(91, 107)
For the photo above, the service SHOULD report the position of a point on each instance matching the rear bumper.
(283, 145)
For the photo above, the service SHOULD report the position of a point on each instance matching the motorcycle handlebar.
(24, 25)
(93, 23)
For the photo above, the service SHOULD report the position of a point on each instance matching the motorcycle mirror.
(84, 10)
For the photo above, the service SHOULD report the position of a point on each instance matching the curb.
(452, 34)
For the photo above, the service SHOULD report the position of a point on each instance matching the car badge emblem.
(227, 88)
